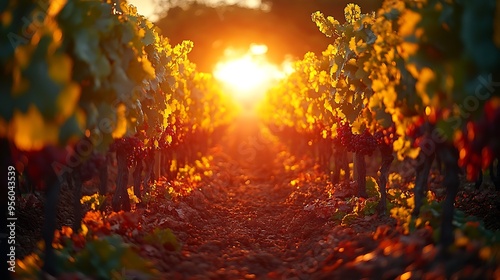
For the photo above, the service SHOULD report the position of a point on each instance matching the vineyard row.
(85, 80)
(415, 80)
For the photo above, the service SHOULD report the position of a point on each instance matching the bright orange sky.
(147, 7)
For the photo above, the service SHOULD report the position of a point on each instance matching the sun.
(244, 74)
(247, 77)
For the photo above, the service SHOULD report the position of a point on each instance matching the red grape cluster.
(386, 137)
(345, 136)
(364, 143)
(479, 142)
(39, 164)
(130, 146)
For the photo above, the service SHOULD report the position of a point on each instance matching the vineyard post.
(479, 179)
(354, 167)
(49, 226)
(360, 167)
(76, 179)
(495, 174)
(157, 165)
(387, 158)
(423, 169)
(335, 173)
(121, 200)
(137, 180)
(103, 175)
(449, 155)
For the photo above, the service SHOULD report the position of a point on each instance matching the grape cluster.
(386, 137)
(479, 142)
(345, 136)
(364, 143)
(132, 147)
(39, 164)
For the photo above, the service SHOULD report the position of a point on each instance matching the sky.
(147, 7)
(144, 7)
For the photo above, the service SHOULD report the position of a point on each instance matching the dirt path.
(240, 224)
